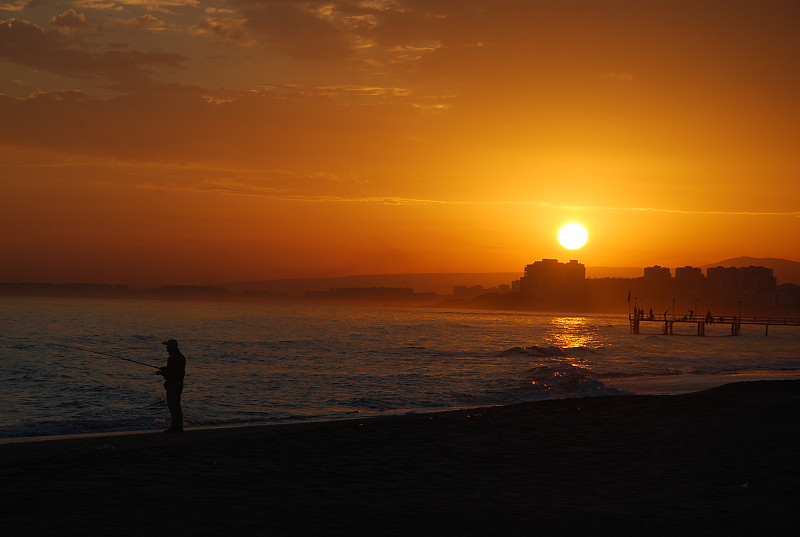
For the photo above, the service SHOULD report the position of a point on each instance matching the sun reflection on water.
(571, 332)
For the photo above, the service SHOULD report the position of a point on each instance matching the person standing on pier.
(173, 374)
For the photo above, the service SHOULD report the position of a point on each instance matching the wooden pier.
(734, 321)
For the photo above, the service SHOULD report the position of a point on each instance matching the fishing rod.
(105, 354)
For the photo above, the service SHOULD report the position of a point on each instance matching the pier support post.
(701, 329)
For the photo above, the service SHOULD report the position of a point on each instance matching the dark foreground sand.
(720, 462)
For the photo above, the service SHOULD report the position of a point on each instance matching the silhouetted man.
(174, 373)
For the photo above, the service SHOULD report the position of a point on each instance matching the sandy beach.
(722, 461)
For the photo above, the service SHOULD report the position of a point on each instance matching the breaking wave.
(549, 350)
(561, 379)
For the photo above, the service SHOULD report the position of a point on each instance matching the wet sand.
(719, 462)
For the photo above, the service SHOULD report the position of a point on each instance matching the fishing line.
(105, 354)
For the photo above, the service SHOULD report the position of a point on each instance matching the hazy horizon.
(444, 280)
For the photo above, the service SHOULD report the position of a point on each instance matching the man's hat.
(170, 343)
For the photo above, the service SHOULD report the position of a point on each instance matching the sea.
(262, 363)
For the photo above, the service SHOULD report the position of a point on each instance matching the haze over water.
(259, 363)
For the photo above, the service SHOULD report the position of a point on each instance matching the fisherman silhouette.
(174, 373)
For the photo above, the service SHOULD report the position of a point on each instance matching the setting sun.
(572, 236)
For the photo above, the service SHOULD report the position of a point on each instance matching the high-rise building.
(741, 278)
(688, 274)
(657, 273)
(550, 283)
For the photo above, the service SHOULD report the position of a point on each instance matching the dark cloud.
(145, 21)
(21, 5)
(28, 44)
(225, 27)
(321, 29)
(21, 41)
(69, 19)
(298, 29)
(184, 124)
(326, 30)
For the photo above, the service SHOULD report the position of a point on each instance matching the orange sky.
(193, 141)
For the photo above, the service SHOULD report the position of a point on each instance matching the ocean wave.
(550, 350)
(33, 428)
(371, 403)
(533, 350)
(584, 351)
(451, 353)
(22, 346)
(557, 379)
(633, 374)
(561, 379)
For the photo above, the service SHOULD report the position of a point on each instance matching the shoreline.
(666, 385)
(719, 460)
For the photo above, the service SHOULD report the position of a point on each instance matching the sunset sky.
(203, 142)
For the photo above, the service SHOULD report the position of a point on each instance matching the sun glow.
(572, 236)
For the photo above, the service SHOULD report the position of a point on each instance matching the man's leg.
(175, 410)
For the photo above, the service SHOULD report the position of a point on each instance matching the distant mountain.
(784, 270)
(421, 283)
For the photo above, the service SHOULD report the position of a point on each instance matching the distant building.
(688, 274)
(657, 273)
(462, 292)
(741, 278)
(553, 284)
(752, 284)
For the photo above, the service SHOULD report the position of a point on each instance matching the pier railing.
(734, 321)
